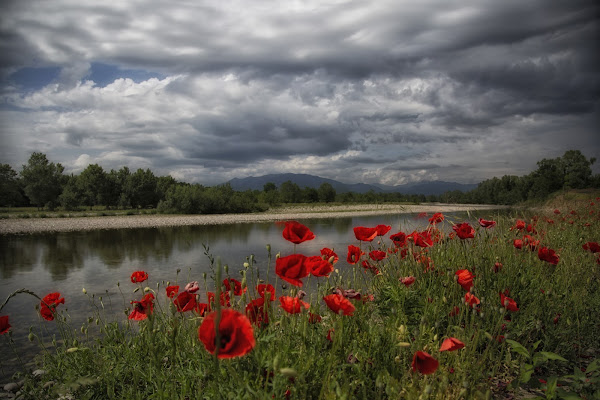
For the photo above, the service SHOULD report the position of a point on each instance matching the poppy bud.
(83, 329)
(331, 260)
(84, 291)
(246, 265)
(146, 290)
(289, 372)
(118, 284)
(268, 248)
(72, 350)
(31, 336)
(403, 344)
(277, 255)
(136, 289)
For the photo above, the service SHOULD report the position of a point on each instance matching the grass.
(549, 348)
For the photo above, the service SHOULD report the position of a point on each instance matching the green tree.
(42, 180)
(71, 196)
(93, 185)
(10, 195)
(141, 188)
(326, 193)
(310, 195)
(577, 170)
(290, 192)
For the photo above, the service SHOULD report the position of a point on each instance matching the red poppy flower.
(293, 305)
(236, 335)
(256, 312)
(422, 215)
(424, 363)
(455, 311)
(328, 253)
(451, 344)
(436, 218)
(292, 268)
(172, 291)
(486, 224)
(421, 239)
(192, 287)
(224, 299)
(48, 305)
(368, 266)
(354, 254)
(201, 309)
(531, 229)
(138, 277)
(464, 230)
(4, 325)
(266, 290)
(518, 243)
(592, 246)
(465, 279)
(508, 303)
(296, 232)
(498, 266)
(530, 242)
(548, 255)
(318, 267)
(365, 234)
(185, 301)
(471, 300)
(143, 308)
(237, 286)
(313, 318)
(377, 255)
(556, 211)
(337, 302)
(382, 229)
(520, 224)
(399, 239)
(330, 335)
(407, 280)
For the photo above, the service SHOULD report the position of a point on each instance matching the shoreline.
(73, 224)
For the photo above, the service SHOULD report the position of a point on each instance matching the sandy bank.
(34, 225)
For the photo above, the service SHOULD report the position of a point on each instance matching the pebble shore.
(43, 225)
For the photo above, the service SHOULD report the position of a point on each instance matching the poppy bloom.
(237, 286)
(368, 266)
(224, 299)
(192, 287)
(293, 305)
(455, 311)
(236, 336)
(548, 255)
(407, 280)
(266, 291)
(292, 268)
(330, 334)
(592, 246)
(318, 267)
(464, 230)
(382, 229)
(296, 232)
(451, 344)
(518, 243)
(436, 218)
(337, 303)
(399, 239)
(377, 255)
(556, 211)
(424, 363)
(138, 277)
(143, 308)
(486, 224)
(313, 318)
(354, 254)
(256, 312)
(421, 239)
(172, 291)
(530, 242)
(328, 253)
(4, 325)
(498, 266)
(471, 300)
(365, 234)
(185, 301)
(201, 308)
(48, 305)
(520, 225)
(465, 279)
(422, 215)
(508, 303)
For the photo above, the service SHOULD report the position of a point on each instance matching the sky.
(388, 92)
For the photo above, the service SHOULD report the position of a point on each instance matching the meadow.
(506, 308)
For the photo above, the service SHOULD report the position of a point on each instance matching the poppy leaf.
(518, 348)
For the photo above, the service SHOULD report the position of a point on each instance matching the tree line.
(43, 184)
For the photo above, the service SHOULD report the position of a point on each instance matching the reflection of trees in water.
(61, 253)
(17, 253)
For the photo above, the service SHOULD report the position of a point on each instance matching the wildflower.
(465, 279)
(424, 363)
(451, 344)
(266, 291)
(436, 218)
(185, 301)
(4, 325)
(556, 211)
(377, 255)
(172, 291)
(224, 299)
(192, 287)
(292, 268)
(292, 305)
(319, 267)
(382, 229)
(520, 225)
(548, 255)
(237, 286)
(497, 266)
(256, 312)
(592, 246)
(530, 242)
(455, 311)
(365, 234)
(297, 233)
(313, 318)
(354, 254)
(330, 335)
(464, 230)
(337, 303)
(399, 239)
(138, 277)
(471, 300)
(143, 308)
(48, 305)
(508, 303)
(421, 239)
(328, 253)
(518, 243)
(236, 336)
(408, 280)
(201, 309)
(486, 224)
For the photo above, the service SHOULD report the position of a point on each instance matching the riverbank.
(40, 225)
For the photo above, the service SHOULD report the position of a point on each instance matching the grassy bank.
(527, 319)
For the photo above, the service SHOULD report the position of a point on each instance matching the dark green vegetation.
(548, 348)
(43, 184)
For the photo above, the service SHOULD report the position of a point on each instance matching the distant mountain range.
(305, 180)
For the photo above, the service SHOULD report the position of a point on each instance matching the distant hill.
(305, 180)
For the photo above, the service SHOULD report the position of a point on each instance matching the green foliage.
(42, 181)
(10, 193)
(326, 193)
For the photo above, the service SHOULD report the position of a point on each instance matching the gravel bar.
(54, 224)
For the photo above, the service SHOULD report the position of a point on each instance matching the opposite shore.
(43, 225)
